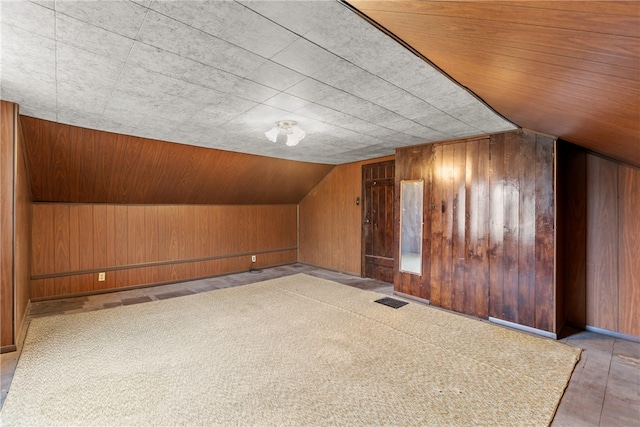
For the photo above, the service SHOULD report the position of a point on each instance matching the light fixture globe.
(290, 128)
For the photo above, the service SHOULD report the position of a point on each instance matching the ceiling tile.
(91, 38)
(286, 102)
(85, 70)
(275, 76)
(251, 31)
(119, 16)
(299, 17)
(312, 90)
(211, 17)
(29, 17)
(306, 58)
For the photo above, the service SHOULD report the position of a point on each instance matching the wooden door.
(377, 214)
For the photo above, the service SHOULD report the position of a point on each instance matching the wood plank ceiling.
(565, 68)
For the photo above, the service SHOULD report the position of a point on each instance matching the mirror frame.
(404, 186)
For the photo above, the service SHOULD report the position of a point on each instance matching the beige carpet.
(297, 351)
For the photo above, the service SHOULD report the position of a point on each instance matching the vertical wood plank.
(511, 235)
(59, 188)
(100, 235)
(438, 203)
(602, 243)
(110, 238)
(43, 245)
(74, 238)
(121, 233)
(481, 219)
(61, 237)
(527, 232)
(629, 251)
(85, 233)
(544, 235)
(135, 244)
(446, 278)
(496, 226)
(459, 224)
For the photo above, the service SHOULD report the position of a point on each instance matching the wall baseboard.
(523, 328)
(612, 333)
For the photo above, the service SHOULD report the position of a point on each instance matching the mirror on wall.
(411, 226)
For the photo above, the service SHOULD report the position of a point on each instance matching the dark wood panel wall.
(488, 246)
(330, 220)
(145, 244)
(15, 226)
(610, 296)
(78, 165)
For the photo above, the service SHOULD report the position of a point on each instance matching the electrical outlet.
(253, 258)
(101, 277)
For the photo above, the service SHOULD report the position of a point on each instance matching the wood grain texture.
(15, 223)
(602, 243)
(22, 236)
(583, 55)
(571, 231)
(71, 164)
(413, 163)
(7, 136)
(491, 215)
(629, 251)
(330, 220)
(75, 241)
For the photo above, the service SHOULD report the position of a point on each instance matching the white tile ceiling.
(220, 73)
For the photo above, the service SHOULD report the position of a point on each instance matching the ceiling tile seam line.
(310, 41)
(124, 65)
(419, 55)
(504, 21)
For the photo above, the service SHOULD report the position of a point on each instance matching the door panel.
(377, 227)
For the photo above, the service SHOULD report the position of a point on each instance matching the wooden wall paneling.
(448, 194)
(480, 229)
(74, 237)
(136, 251)
(458, 206)
(60, 183)
(545, 290)
(61, 237)
(121, 232)
(527, 231)
(43, 245)
(602, 243)
(22, 236)
(511, 235)
(496, 226)
(412, 164)
(100, 235)
(39, 154)
(85, 233)
(629, 251)
(330, 221)
(151, 229)
(7, 135)
(69, 164)
(572, 228)
(436, 211)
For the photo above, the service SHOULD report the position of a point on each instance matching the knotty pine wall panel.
(413, 163)
(77, 165)
(145, 244)
(489, 228)
(330, 220)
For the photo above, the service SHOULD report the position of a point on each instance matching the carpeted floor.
(291, 351)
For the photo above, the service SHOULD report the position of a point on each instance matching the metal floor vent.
(393, 303)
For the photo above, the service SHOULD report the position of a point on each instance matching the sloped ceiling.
(219, 74)
(570, 69)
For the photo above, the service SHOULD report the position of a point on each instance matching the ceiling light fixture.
(291, 129)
